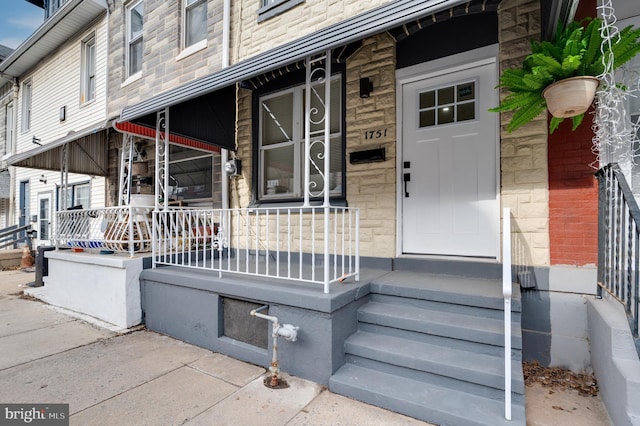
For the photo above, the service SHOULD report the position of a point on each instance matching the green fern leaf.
(593, 41)
(555, 123)
(525, 115)
(577, 120)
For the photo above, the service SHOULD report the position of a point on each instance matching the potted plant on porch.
(561, 74)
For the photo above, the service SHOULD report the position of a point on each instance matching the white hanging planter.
(571, 96)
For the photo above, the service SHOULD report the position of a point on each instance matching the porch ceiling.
(348, 31)
(86, 150)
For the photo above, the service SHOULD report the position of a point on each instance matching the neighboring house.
(6, 130)
(402, 228)
(59, 114)
(156, 46)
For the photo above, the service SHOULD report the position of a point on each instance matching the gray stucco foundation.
(186, 304)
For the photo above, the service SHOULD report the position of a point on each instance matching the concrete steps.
(430, 346)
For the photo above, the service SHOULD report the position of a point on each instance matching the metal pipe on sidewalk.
(288, 331)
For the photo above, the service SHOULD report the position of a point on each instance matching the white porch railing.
(125, 229)
(507, 282)
(311, 244)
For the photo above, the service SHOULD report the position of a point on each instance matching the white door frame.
(42, 195)
(450, 64)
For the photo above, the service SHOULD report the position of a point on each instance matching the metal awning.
(70, 18)
(86, 152)
(350, 30)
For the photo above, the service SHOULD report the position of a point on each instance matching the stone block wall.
(161, 68)
(523, 153)
(250, 37)
(372, 187)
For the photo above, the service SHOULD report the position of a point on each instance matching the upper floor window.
(281, 162)
(271, 8)
(26, 105)
(135, 20)
(52, 6)
(88, 69)
(195, 21)
(8, 128)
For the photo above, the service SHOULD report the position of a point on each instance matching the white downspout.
(224, 154)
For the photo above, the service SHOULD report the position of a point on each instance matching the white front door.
(449, 173)
(44, 218)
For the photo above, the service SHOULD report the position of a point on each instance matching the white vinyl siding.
(49, 95)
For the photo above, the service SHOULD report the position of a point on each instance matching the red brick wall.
(573, 196)
(573, 190)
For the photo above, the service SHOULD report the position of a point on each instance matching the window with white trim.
(88, 70)
(27, 92)
(78, 194)
(135, 22)
(281, 143)
(8, 128)
(195, 21)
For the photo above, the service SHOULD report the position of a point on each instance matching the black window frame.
(289, 81)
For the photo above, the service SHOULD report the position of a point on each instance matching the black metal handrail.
(15, 234)
(618, 241)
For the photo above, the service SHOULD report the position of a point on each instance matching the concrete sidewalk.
(143, 378)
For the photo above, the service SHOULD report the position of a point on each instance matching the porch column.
(162, 160)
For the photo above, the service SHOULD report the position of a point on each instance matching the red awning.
(150, 133)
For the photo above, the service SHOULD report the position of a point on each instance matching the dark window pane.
(278, 170)
(427, 99)
(467, 111)
(445, 115)
(445, 96)
(466, 92)
(427, 118)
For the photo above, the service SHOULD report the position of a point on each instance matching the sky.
(18, 20)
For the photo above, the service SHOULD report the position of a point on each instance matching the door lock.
(406, 178)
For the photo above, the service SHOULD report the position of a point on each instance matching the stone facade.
(523, 153)
(165, 66)
(372, 187)
(250, 37)
(162, 67)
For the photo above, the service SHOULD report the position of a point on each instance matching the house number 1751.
(375, 134)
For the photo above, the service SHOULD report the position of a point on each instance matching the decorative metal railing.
(125, 229)
(618, 241)
(311, 244)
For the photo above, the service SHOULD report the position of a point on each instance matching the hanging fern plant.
(575, 51)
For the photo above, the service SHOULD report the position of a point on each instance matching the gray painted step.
(463, 345)
(443, 306)
(439, 322)
(433, 379)
(460, 290)
(462, 365)
(420, 400)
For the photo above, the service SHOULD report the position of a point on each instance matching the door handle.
(406, 178)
